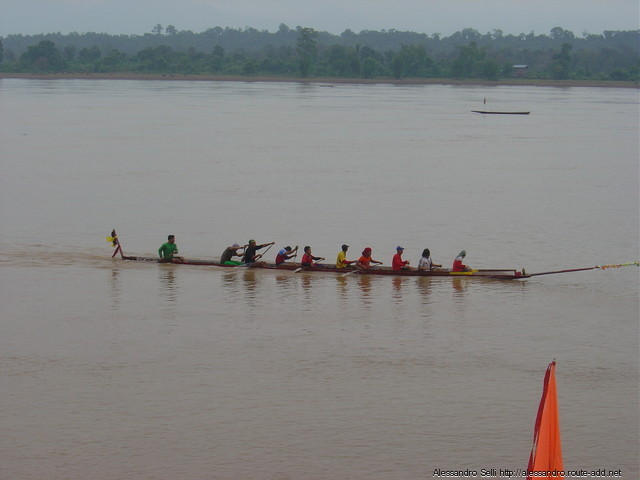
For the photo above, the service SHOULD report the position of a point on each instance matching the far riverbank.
(328, 81)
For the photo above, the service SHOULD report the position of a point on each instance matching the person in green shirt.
(168, 250)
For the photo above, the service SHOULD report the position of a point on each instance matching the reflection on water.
(115, 287)
(342, 287)
(250, 284)
(168, 285)
(398, 283)
(286, 286)
(459, 285)
(365, 284)
(424, 289)
(229, 278)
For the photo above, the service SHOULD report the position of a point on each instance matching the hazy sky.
(334, 16)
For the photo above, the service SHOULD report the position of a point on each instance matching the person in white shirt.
(425, 262)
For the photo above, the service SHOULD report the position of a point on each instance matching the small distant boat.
(488, 112)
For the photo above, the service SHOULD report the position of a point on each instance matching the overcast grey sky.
(334, 16)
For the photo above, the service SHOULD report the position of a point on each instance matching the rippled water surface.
(118, 370)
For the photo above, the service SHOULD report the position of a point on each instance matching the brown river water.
(123, 370)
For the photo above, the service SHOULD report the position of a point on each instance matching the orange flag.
(546, 454)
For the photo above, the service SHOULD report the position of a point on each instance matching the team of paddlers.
(248, 256)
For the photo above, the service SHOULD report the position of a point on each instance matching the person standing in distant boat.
(365, 261)
(251, 255)
(458, 266)
(285, 254)
(425, 262)
(308, 259)
(398, 263)
(227, 256)
(341, 261)
(167, 251)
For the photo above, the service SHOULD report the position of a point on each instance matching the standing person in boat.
(398, 263)
(365, 261)
(308, 260)
(167, 251)
(227, 256)
(458, 266)
(251, 255)
(341, 261)
(425, 262)
(285, 254)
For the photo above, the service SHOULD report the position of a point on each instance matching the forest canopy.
(305, 52)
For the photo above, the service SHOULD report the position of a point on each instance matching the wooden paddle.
(356, 270)
(259, 256)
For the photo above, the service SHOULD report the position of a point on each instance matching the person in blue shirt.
(285, 254)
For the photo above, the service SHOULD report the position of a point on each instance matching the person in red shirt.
(365, 261)
(308, 259)
(398, 263)
(458, 266)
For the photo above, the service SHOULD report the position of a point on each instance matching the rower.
(457, 263)
(227, 256)
(308, 259)
(341, 261)
(250, 252)
(425, 262)
(285, 254)
(365, 261)
(168, 250)
(398, 263)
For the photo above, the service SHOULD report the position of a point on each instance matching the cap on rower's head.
(399, 248)
(287, 248)
(462, 254)
(366, 250)
(235, 245)
(345, 246)
(252, 241)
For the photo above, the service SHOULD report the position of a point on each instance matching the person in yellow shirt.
(341, 261)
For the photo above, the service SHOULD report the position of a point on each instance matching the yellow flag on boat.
(545, 461)
(113, 238)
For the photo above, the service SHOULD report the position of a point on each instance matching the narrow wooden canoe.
(506, 274)
(486, 112)
(499, 273)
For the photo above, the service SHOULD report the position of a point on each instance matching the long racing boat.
(495, 273)
(506, 274)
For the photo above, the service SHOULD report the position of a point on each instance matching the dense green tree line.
(306, 52)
